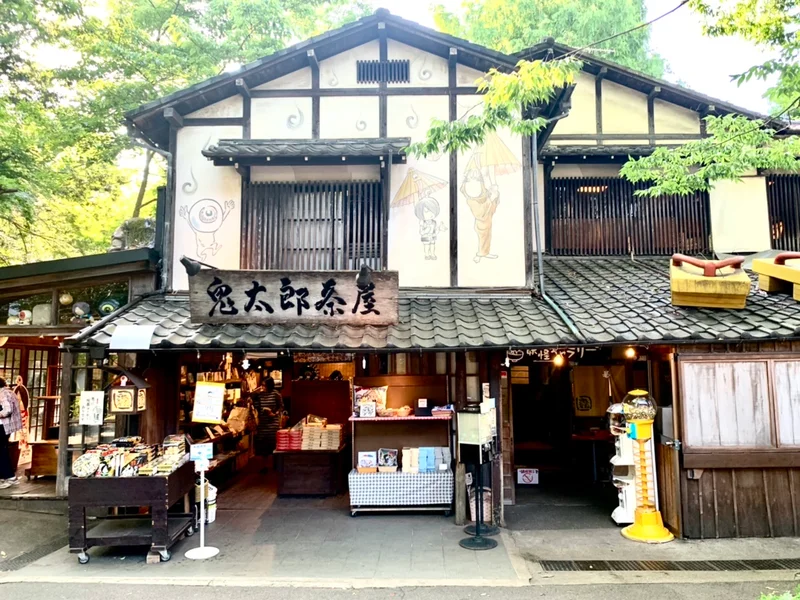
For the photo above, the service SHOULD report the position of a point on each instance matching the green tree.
(65, 158)
(513, 26)
(737, 145)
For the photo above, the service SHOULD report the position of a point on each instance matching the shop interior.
(563, 449)
(284, 431)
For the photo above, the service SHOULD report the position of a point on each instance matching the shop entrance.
(562, 446)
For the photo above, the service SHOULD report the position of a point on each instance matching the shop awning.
(307, 151)
(426, 322)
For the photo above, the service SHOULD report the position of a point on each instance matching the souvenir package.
(315, 421)
(410, 459)
(387, 460)
(370, 394)
(367, 462)
(86, 465)
(174, 447)
(127, 442)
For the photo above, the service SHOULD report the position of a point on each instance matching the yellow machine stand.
(647, 524)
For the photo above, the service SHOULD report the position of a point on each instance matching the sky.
(704, 64)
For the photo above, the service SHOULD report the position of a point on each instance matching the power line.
(626, 32)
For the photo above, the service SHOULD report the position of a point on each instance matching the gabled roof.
(149, 117)
(640, 82)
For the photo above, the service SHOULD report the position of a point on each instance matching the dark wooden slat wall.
(313, 225)
(783, 200)
(602, 216)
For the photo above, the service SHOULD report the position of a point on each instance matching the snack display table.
(160, 530)
(380, 492)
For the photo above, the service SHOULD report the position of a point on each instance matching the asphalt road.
(717, 591)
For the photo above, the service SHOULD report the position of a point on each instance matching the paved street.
(718, 591)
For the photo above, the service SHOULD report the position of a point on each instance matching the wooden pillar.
(163, 402)
(493, 375)
(64, 464)
(460, 402)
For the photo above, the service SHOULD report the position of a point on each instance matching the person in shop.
(336, 376)
(10, 422)
(269, 403)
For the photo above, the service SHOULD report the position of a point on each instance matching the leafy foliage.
(69, 71)
(784, 596)
(513, 26)
(771, 25)
(506, 99)
(735, 146)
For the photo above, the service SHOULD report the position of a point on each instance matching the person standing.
(10, 422)
(270, 410)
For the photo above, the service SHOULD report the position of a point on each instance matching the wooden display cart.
(160, 530)
(312, 472)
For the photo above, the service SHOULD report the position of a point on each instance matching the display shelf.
(447, 417)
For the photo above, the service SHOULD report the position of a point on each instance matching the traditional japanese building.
(295, 164)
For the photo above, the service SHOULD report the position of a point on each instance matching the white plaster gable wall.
(425, 69)
(207, 219)
(410, 116)
(467, 76)
(624, 110)
(298, 80)
(740, 216)
(349, 117)
(339, 71)
(229, 107)
(280, 118)
(285, 174)
(670, 118)
(500, 176)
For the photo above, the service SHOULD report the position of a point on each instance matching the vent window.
(383, 71)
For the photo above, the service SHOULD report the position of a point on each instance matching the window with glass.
(80, 306)
(29, 310)
(10, 363)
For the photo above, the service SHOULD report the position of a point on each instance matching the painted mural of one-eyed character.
(205, 217)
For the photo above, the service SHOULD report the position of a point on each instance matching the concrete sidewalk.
(26, 537)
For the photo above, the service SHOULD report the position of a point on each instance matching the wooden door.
(668, 450)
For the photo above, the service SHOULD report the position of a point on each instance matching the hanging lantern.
(128, 396)
(639, 409)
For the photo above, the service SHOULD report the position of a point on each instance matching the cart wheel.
(83, 558)
(165, 555)
(448, 513)
(190, 532)
(353, 513)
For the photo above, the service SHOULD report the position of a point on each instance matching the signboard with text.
(319, 297)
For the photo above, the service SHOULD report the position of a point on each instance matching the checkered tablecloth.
(400, 489)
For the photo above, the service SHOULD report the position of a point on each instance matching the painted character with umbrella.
(481, 191)
(418, 189)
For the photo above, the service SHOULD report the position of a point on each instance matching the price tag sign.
(91, 408)
(208, 400)
(201, 465)
(199, 452)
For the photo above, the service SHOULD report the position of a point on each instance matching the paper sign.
(208, 399)
(91, 408)
(201, 451)
(528, 476)
(132, 337)
(201, 465)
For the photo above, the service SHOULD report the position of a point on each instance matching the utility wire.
(626, 32)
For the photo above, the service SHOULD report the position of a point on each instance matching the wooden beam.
(745, 459)
(64, 465)
(452, 65)
(651, 113)
(598, 101)
(312, 59)
(383, 54)
(243, 88)
(173, 117)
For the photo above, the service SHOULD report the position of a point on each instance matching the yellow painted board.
(690, 288)
(788, 272)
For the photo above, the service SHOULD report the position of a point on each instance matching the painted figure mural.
(481, 191)
(418, 189)
(205, 217)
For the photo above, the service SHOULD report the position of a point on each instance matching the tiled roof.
(624, 300)
(485, 320)
(307, 147)
(605, 150)
(609, 300)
